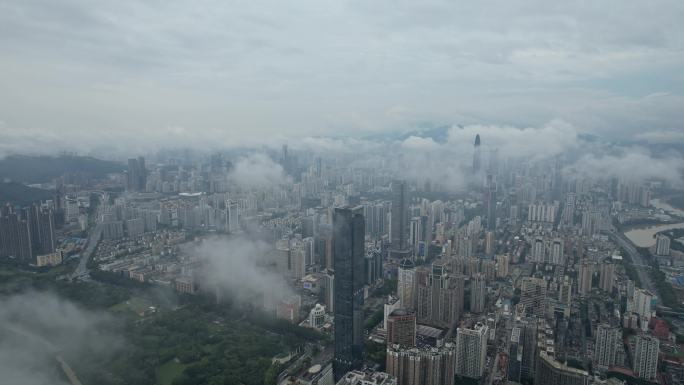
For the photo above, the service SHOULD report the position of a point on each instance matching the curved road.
(640, 265)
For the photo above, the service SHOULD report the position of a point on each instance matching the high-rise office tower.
(552, 372)
(478, 290)
(608, 341)
(477, 155)
(471, 350)
(406, 286)
(401, 328)
(646, 356)
(489, 203)
(136, 177)
(348, 255)
(528, 328)
(515, 355)
(399, 217)
(416, 234)
(557, 185)
(533, 296)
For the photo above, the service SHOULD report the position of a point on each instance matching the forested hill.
(41, 169)
(20, 194)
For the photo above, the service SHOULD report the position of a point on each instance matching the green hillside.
(41, 169)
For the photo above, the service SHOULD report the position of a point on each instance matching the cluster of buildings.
(517, 279)
(28, 234)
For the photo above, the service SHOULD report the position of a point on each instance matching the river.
(645, 237)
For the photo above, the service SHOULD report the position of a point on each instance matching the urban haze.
(341, 192)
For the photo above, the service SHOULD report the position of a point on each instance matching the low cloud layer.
(257, 171)
(631, 164)
(35, 328)
(240, 268)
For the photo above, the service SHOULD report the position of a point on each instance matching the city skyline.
(342, 192)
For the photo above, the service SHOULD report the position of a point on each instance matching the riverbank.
(645, 237)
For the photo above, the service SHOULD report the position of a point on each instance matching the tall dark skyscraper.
(136, 177)
(477, 156)
(399, 219)
(348, 254)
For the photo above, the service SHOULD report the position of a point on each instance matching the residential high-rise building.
(502, 262)
(607, 277)
(348, 256)
(556, 254)
(538, 250)
(552, 372)
(490, 243)
(565, 291)
(27, 233)
(646, 357)
(591, 223)
(542, 212)
(401, 328)
(478, 290)
(608, 341)
(641, 304)
(406, 286)
(421, 366)
(439, 296)
(662, 244)
(471, 350)
(586, 272)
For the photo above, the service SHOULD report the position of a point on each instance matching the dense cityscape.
(530, 274)
(344, 192)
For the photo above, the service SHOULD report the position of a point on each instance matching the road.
(639, 264)
(81, 270)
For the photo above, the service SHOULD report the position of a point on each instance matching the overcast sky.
(243, 72)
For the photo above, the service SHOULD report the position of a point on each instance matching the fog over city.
(330, 192)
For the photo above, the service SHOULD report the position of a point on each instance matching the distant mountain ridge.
(42, 169)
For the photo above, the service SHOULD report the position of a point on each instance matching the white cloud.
(553, 138)
(257, 171)
(35, 327)
(631, 164)
(240, 268)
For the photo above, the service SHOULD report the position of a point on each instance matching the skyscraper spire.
(477, 161)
